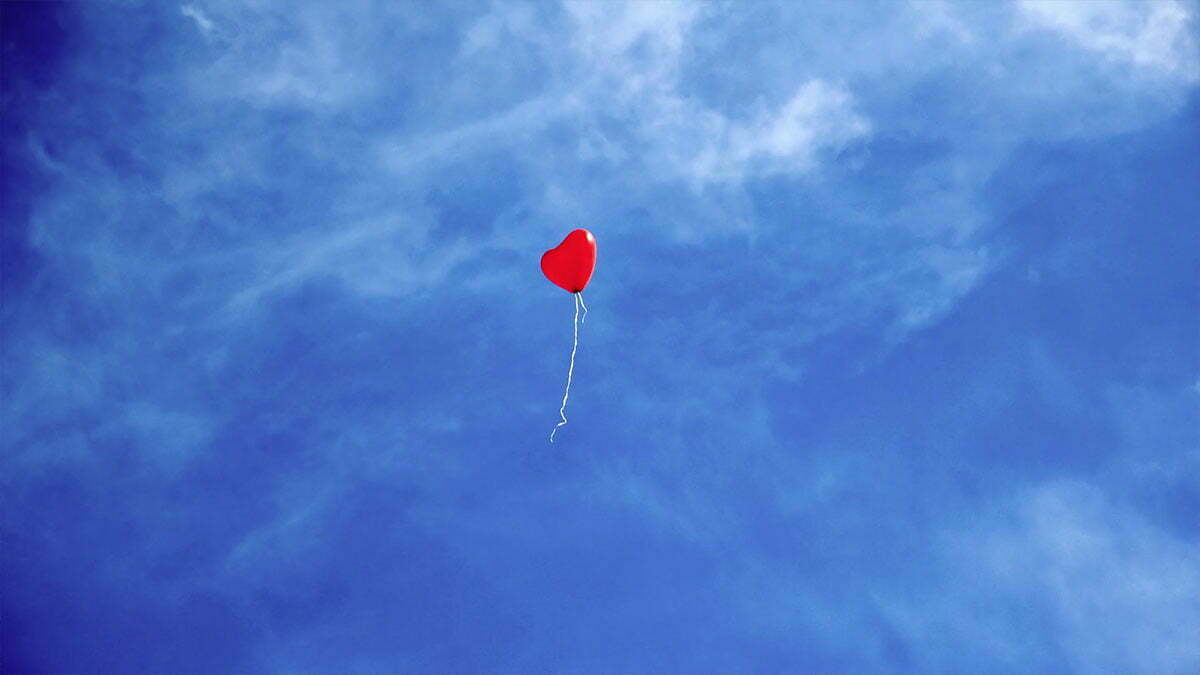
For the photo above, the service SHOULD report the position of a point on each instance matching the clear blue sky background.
(893, 360)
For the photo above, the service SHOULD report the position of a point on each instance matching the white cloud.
(503, 22)
(819, 116)
(956, 270)
(194, 13)
(621, 97)
(1154, 36)
(637, 50)
(410, 153)
(631, 85)
(387, 257)
(935, 17)
(311, 57)
(635, 46)
(1124, 595)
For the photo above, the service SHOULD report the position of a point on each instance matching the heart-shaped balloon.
(570, 264)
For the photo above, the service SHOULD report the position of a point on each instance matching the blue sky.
(892, 365)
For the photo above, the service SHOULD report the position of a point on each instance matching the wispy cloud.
(194, 13)
(632, 57)
(1122, 592)
(786, 140)
(1155, 37)
(284, 329)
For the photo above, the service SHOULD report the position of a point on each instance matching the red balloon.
(570, 264)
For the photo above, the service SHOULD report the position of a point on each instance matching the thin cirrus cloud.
(1120, 590)
(1156, 38)
(885, 369)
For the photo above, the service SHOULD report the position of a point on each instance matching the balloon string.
(580, 296)
(562, 410)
